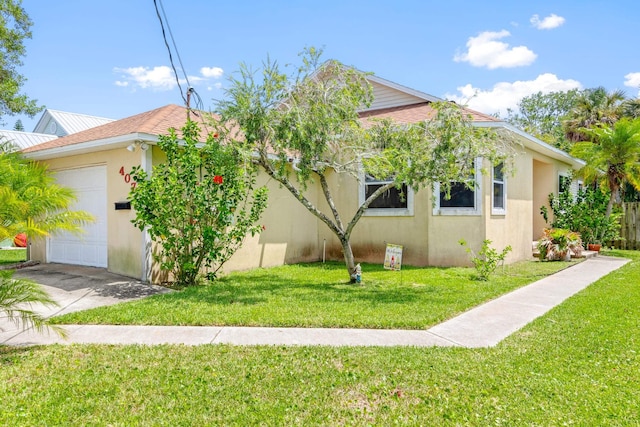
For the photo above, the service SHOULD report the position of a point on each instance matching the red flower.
(216, 135)
(217, 179)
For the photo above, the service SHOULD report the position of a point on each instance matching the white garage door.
(90, 247)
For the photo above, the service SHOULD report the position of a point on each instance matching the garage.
(90, 247)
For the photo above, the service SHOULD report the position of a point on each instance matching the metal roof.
(68, 123)
(24, 139)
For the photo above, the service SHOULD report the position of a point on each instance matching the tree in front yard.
(30, 202)
(612, 154)
(15, 28)
(199, 204)
(305, 127)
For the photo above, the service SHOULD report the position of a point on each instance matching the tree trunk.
(612, 198)
(349, 259)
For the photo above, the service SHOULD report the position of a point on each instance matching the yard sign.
(393, 257)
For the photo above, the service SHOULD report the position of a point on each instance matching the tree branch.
(365, 206)
(329, 199)
(266, 165)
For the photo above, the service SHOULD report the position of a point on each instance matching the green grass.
(577, 365)
(315, 295)
(12, 256)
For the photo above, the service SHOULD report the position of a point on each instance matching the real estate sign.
(393, 257)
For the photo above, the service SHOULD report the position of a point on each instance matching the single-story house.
(503, 208)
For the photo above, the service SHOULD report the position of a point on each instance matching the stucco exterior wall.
(290, 234)
(511, 228)
(545, 174)
(124, 241)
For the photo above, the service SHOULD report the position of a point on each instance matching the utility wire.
(199, 105)
(164, 36)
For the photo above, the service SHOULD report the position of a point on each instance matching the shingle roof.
(154, 122)
(414, 113)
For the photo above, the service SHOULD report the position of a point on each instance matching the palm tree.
(593, 107)
(631, 108)
(30, 202)
(612, 155)
(16, 299)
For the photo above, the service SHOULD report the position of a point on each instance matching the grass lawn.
(316, 295)
(577, 365)
(12, 256)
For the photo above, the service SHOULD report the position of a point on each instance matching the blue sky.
(108, 58)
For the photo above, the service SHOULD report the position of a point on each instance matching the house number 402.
(127, 177)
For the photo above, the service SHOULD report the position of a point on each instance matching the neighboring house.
(22, 140)
(52, 124)
(62, 123)
(503, 208)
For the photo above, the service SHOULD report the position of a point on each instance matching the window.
(390, 199)
(461, 196)
(499, 197)
(564, 183)
(465, 198)
(392, 202)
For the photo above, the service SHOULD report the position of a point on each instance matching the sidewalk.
(483, 326)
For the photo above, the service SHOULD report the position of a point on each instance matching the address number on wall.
(127, 177)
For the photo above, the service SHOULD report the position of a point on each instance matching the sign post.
(393, 258)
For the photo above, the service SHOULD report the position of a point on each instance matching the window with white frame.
(499, 190)
(464, 198)
(564, 183)
(394, 201)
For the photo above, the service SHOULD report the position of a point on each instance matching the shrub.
(559, 243)
(487, 259)
(586, 214)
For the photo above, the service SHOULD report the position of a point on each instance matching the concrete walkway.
(483, 326)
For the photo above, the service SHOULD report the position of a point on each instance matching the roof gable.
(63, 123)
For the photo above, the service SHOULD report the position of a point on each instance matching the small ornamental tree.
(307, 126)
(198, 205)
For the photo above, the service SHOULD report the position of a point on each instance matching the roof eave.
(405, 89)
(120, 141)
(536, 145)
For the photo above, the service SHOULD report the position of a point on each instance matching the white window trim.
(408, 211)
(475, 211)
(567, 176)
(498, 210)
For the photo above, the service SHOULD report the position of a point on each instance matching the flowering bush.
(198, 205)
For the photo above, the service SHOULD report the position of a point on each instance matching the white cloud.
(161, 78)
(632, 80)
(505, 95)
(212, 72)
(486, 50)
(157, 78)
(548, 23)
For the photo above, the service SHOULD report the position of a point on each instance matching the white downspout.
(146, 164)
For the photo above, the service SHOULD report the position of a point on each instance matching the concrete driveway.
(77, 288)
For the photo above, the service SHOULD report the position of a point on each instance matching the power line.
(190, 90)
(166, 43)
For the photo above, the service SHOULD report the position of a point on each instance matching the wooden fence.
(630, 230)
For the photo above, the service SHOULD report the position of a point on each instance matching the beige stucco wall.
(124, 241)
(290, 232)
(512, 229)
(546, 173)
